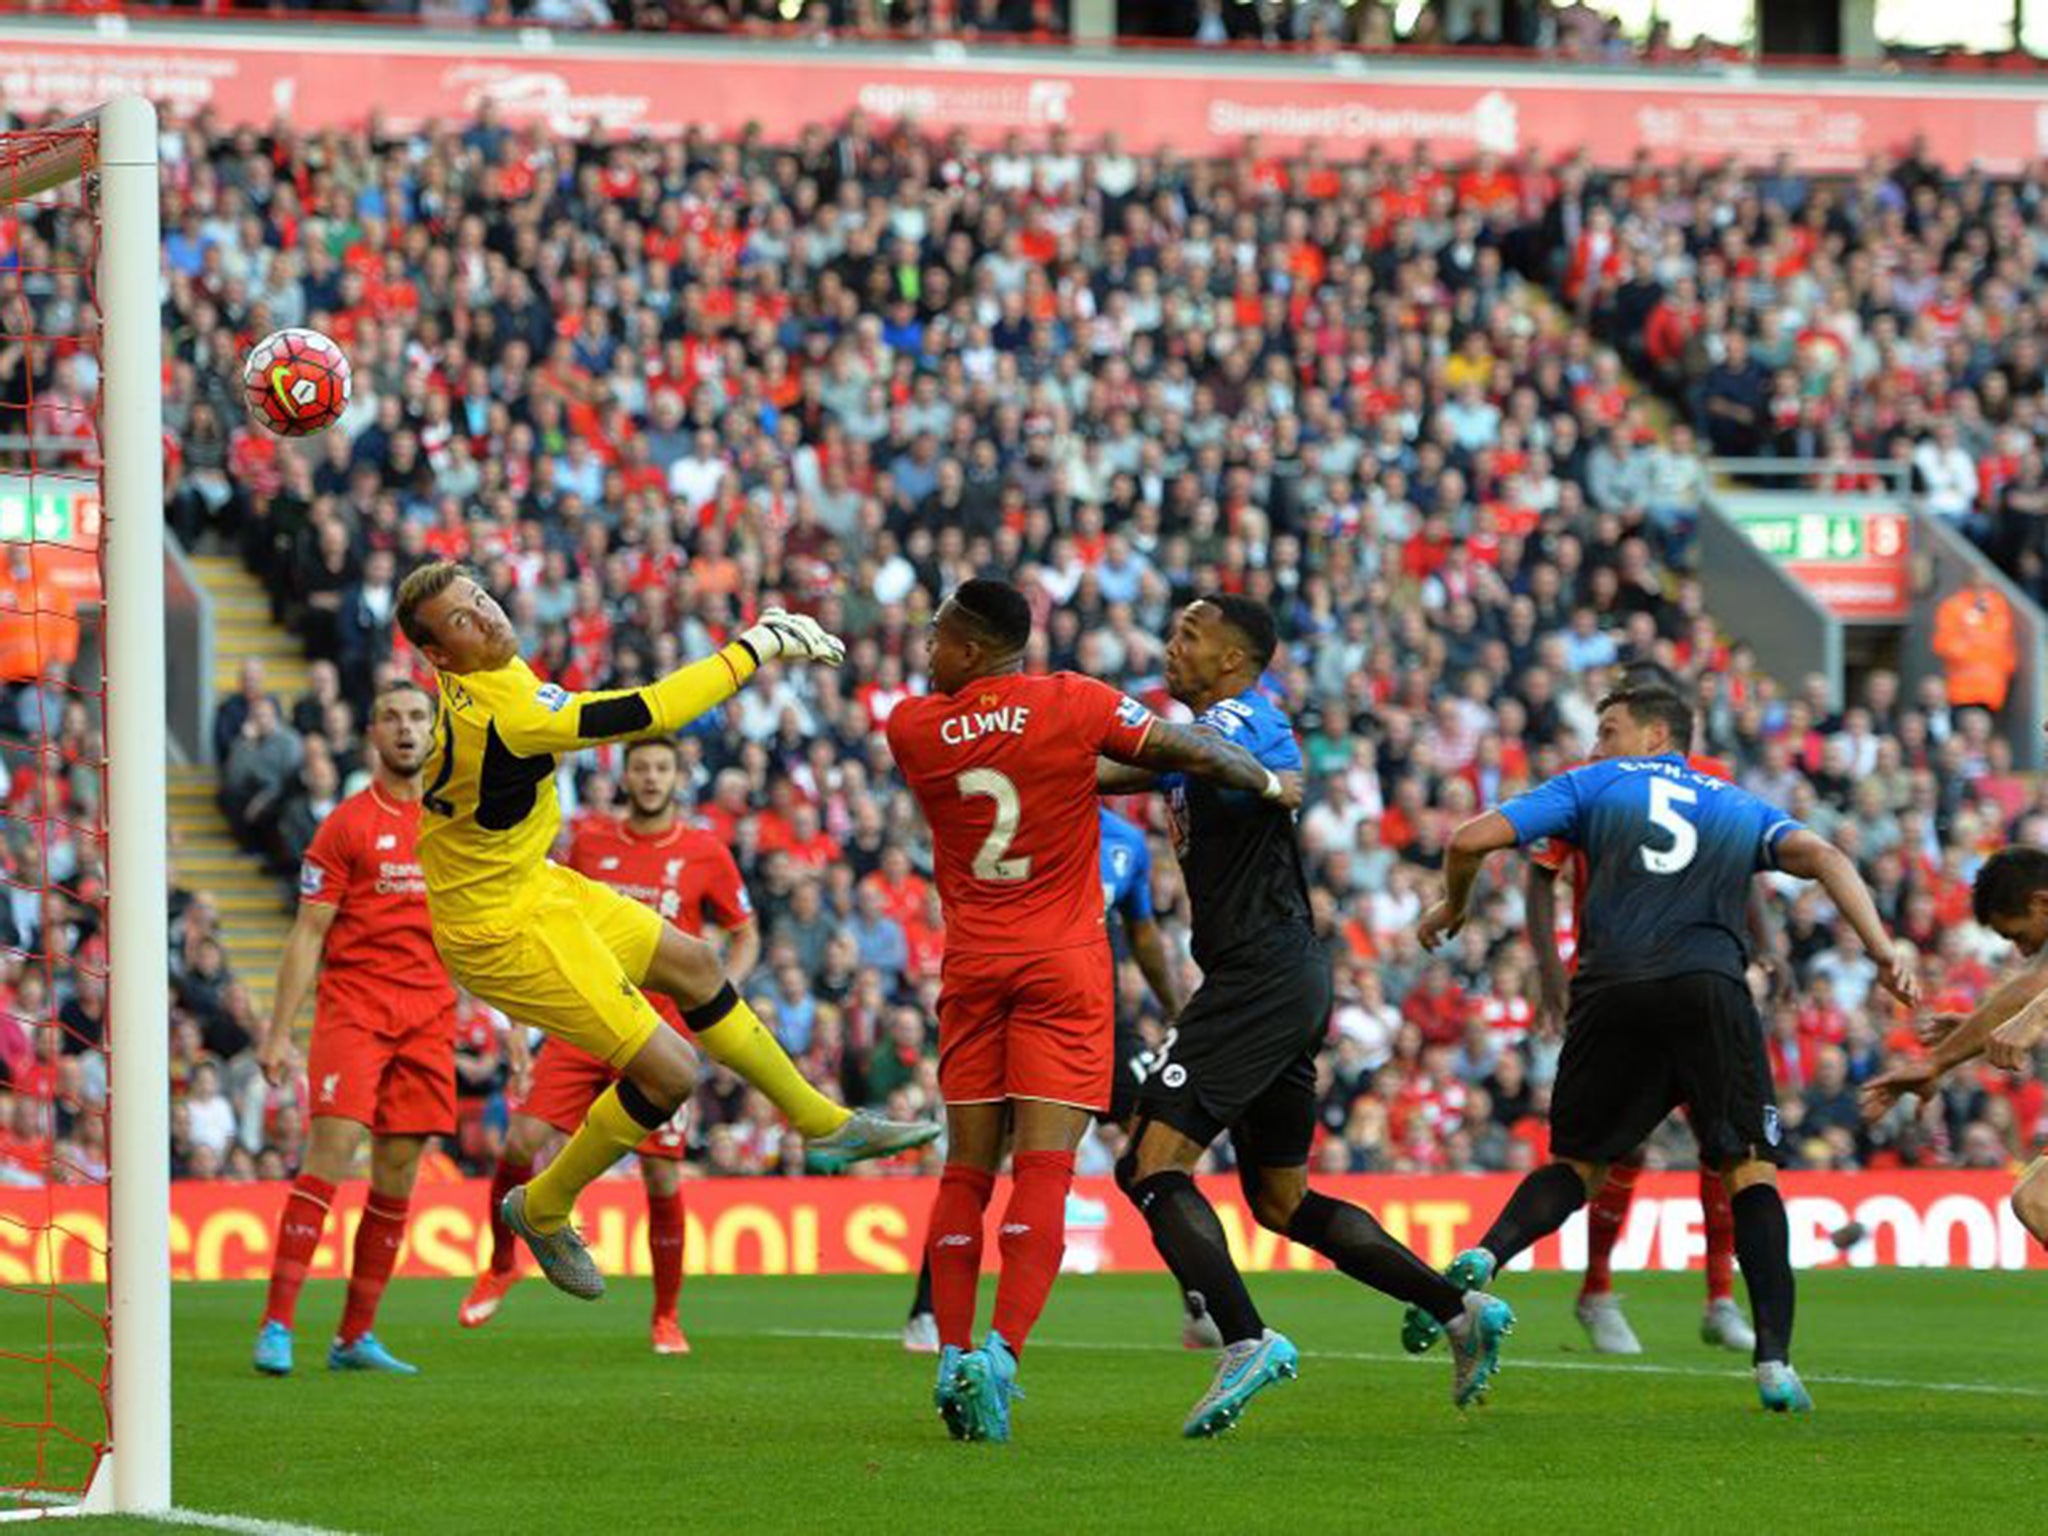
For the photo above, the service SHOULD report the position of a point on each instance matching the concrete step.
(204, 840)
(255, 637)
(255, 939)
(255, 900)
(228, 866)
(283, 661)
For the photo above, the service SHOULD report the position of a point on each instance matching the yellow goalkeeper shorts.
(571, 965)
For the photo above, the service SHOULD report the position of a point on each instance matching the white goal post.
(119, 150)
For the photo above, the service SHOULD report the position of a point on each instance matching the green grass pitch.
(799, 1411)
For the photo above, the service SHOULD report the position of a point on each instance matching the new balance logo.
(955, 1240)
(1014, 1229)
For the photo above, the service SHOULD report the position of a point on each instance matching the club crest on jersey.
(311, 878)
(551, 696)
(386, 840)
(608, 863)
(674, 868)
(1226, 716)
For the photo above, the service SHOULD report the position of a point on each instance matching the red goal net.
(55, 1359)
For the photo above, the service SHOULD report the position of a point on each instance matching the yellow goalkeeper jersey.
(490, 812)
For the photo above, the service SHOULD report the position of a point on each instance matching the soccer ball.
(296, 382)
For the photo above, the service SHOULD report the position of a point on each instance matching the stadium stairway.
(253, 916)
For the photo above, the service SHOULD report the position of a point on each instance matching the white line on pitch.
(1514, 1363)
(239, 1525)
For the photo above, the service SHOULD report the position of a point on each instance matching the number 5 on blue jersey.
(1642, 823)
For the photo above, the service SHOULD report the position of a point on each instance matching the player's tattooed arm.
(1170, 748)
(1114, 778)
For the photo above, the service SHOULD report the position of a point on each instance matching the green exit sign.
(1825, 536)
(48, 512)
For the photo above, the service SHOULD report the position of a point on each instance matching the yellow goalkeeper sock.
(733, 1036)
(608, 1132)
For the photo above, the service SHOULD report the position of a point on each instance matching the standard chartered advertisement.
(875, 1225)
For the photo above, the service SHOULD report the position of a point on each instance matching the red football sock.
(1720, 1225)
(1603, 1225)
(505, 1178)
(954, 1244)
(1033, 1236)
(665, 1249)
(377, 1243)
(298, 1234)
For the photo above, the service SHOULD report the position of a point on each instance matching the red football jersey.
(1005, 773)
(1553, 853)
(685, 874)
(380, 952)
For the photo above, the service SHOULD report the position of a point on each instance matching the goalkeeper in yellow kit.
(549, 947)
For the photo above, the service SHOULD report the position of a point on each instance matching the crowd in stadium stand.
(642, 387)
(1896, 318)
(1568, 29)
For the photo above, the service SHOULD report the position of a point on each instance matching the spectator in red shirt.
(1437, 1006)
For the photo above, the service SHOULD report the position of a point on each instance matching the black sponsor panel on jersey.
(505, 786)
(433, 799)
(602, 719)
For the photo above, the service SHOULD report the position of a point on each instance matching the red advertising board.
(874, 1226)
(1191, 106)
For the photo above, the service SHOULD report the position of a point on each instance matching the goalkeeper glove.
(781, 636)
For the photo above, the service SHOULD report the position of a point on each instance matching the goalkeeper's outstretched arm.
(554, 721)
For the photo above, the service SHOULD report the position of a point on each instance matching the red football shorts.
(567, 1080)
(1028, 1027)
(390, 1066)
